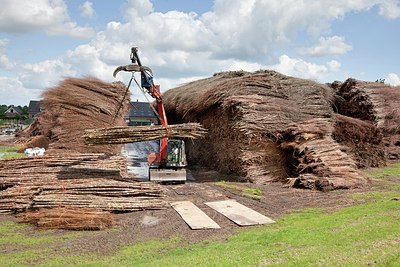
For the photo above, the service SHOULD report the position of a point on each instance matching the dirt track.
(163, 224)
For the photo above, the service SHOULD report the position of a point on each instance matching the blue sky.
(43, 41)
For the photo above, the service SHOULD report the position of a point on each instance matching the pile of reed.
(123, 135)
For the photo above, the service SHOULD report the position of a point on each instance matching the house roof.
(16, 109)
(141, 109)
(34, 106)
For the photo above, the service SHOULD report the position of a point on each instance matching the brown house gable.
(12, 112)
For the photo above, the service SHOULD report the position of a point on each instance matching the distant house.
(35, 106)
(13, 112)
(140, 114)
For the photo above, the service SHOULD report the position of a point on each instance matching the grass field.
(9, 152)
(358, 235)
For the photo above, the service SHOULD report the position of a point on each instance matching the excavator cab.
(176, 154)
(171, 169)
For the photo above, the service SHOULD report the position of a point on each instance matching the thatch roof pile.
(264, 126)
(75, 105)
(374, 103)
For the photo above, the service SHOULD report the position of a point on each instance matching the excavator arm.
(154, 91)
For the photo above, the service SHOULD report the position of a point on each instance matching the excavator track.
(167, 175)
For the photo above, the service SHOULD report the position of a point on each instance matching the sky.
(44, 41)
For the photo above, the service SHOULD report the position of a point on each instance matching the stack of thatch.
(123, 135)
(69, 218)
(78, 181)
(264, 126)
(70, 179)
(376, 104)
(361, 139)
(73, 106)
(70, 166)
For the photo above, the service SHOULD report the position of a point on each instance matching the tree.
(3, 109)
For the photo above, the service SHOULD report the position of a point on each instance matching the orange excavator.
(168, 165)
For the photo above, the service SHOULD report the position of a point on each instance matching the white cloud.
(44, 74)
(87, 10)
(4, 61)
(13, 92)
(36, 76)
(390, 9)
(334, 45)
(50, 16)
(334, 65)
(137, 8)
(255, 28)
(243, 65)
(86, 60)
(178, 45)
(298, 67)
(392, 79)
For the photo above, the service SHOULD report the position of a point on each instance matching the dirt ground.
(6, 139)
(276, 200)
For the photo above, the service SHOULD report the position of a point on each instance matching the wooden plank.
(239, 213)
(193, 216)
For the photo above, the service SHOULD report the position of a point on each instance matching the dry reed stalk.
(56, 167)
(375, 103)
(76, 105)
(102, 194)
(69, 218)
(362, 139)
(122, 135)
(263, 126)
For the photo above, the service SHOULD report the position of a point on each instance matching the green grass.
(11, 235)
(387, 177)
(254, 193)
(359, 235)
(243, 189)
(7, 149)
(27, 249)
(381, 173)
(10, 152)
(364, 234)
(226, 184)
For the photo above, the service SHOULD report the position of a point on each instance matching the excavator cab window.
(176, 153)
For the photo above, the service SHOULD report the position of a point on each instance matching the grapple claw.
(118, 69)
(132, 68)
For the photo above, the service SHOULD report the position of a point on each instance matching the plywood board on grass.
(238, 213)
(193, 216)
